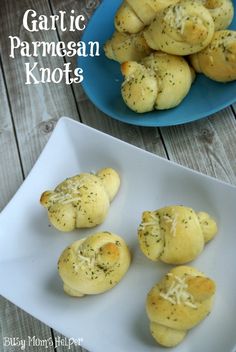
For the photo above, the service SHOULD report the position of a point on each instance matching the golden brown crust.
(110, 180)
(160, 81)
(94, 264)
(222, 12)
(134, 15)
(126, 47)
(126, 20)
(140, 88)
(180, 301)
(174, 234)
(201, 288)
(82, 200)
(218, 60)
(181, 29)
(123, 47)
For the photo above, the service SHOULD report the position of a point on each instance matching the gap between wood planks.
(12, 120)
(21, 169)
(233, 108)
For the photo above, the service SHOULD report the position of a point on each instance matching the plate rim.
(68, 120)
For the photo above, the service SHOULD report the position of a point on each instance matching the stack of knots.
(159, 43)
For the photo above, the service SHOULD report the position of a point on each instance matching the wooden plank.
(35, 111)
(13, 321)
(206, 145)
(82, 7)
(145, 138)
(10, 175)
(35, 107)
(16, 325)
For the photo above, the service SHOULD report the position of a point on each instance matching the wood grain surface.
(28, 115)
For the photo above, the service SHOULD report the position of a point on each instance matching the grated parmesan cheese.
(86, 261)
(173, 222)
(65, 198)
(178, 294)
(154, 223)
(70, 193)
(175, 17)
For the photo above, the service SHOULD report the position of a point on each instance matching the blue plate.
(102, 81)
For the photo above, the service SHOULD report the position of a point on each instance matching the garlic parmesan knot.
(175, 234)
(218, 60)
(81, 201)
(123, 47)
(159, 81)
(180, 301)
(133, 15)
(222, 12)
(181, 29)
(94, 264)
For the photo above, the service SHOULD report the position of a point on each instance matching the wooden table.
(29, 113)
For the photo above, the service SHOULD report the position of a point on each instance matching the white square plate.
(116, 320)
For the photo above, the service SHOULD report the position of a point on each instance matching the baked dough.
(222, 12)
(134, 15)
(218, 60)
(94, 264)
(181, 29)
(160, 81)
(82, 200)
(126, 47)
(175, 234)
(180, 301)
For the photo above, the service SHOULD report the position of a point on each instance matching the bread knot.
(159, 81)
(123, 47)
(181, 29)
(94, 264)
(180, 301)
(175, 234)
(218, 60)
(133, 15)
(82, 200)
(222, 12)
